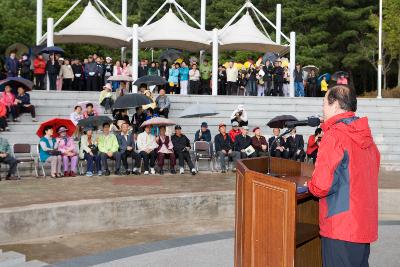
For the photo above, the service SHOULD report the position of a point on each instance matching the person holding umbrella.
(8, 99)
(69, 152)
(88, 150)
(106, 98)
(342, 80)
(24, 105)
(312, 84)
(48, 151)
(52, 69)
(324, 85)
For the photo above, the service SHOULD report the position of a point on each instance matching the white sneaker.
(193, 171)
(181, 171)
(146, 173)
(153, 171)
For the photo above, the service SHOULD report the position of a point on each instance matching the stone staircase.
(15, 259)
(384, 116)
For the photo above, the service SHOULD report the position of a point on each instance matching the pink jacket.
(8, 99)
(69, 145)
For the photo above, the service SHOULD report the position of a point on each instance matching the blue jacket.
(205, 136)
(12, 66)
(173, 76)
(184, 73)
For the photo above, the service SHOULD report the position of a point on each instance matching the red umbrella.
(157, 121)
(57, 123)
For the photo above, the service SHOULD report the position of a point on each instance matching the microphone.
(310, 121)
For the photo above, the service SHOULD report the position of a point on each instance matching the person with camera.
(89, 151)
(6, 158)
(313, 144)
(127, 149)
(240, 115)
(48, 151)
(69, 153)
(182, 147)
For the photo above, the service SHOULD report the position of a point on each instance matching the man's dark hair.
(89, 105)
(76, 107)
(345, 96)
(318, 131)
(106, 124)
(46, 128)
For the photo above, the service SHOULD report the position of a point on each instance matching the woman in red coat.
(313, 144)
(39, 65)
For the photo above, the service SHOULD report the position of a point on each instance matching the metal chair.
(203, 151)
(41, 163)
(23, 154)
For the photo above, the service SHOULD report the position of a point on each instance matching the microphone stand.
(288, 130)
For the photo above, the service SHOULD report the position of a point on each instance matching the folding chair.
(41, 163)
(23, 154)
(203, 151)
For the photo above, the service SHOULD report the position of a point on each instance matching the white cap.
(108, 58)
(61, 59)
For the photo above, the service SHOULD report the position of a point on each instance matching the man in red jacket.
(39, 65)
(346, 181)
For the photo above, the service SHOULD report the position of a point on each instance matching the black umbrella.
(16, 82)
(337, 75)
(170, 55)
(94, 121)
(279, 121)
(272, 57)
(150, 80)
(52, 50)
(131, 101)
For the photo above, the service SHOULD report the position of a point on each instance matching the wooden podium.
(275, 226)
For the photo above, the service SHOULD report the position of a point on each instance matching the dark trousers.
(194, 87)
(243, 155)
(313, 155)
(67, 85)
(116, 156)
(91, 160)
(91, 83)
(337, 253)
(268, 86)
(53, 81)
(222, 88)
(148, 158)
(260, 153)
(294, 156)
(241, 123)
(39, 80)
(3, 123)
(13, 111)
(161, 158)
(130, 154)
(11, 162)
(107, 103)
(77, 84)
(278, 88)
(205, 87)
(231, 88)
(278, 154)
(22, 109)
(184, 156)
(164, 113)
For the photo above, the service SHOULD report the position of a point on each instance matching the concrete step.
(11, 258)
(34, 263)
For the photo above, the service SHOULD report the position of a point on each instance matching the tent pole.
(203, 24)
(186, 13)
(110, 12)
(39, 20)
(50, 42)
(215, 63)
(278, 23)
(99, 7)
(124, 22)
(156, 13)
(135, 55)
(233, 18)
(66, 13)
(292, 61)
(380, 52)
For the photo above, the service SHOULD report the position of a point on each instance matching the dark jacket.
(108, 69)
(25, 99)
(268, 70)
(164, 72)
(222, 143)
(77, 69)
(12, 66)
(278, 74)
(296, 143)
(180, 143)
(25, 67)
(242, 142)
(142, 71)
(298, 75)
(123, 143)
(280, 142)
(53, 69)
(345, 179)
(91, 67)
(256, 143)
(205, 136)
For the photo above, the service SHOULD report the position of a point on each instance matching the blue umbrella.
(16, 82)
(327, 75)
(52, 50)
(272, 57)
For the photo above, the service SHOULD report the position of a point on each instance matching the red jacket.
(346, 180)
(3, 110)
(39, 66)
(311, 145)
(233, 134)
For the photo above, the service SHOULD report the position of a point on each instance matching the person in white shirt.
(240, 115)
(77, 115)
(146, 143)
(231, 78)
(194, 80)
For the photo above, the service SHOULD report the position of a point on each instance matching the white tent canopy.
(93, 28)
(244, 35)
(170, 31)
